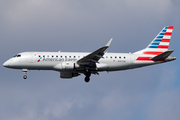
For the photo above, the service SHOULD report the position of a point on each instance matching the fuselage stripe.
(144, 59)
(147, 59)
(152, 53)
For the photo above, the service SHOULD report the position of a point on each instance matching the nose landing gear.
(25, 72)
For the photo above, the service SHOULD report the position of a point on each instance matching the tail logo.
(158, 46)
(161, 41)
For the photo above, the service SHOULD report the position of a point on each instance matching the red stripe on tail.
(163, 46)
(152, 53)
(168, 33)
(170, 27)
(165, 40)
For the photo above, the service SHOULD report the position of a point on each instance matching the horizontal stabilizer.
(163, 55)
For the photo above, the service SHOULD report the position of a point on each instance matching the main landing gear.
(87, 78)
(25, 72)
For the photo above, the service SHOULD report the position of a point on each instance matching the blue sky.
(150, 93)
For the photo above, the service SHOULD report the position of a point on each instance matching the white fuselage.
(64, 61)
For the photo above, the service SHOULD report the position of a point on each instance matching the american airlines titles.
(59, 59)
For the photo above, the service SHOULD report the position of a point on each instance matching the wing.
(94, 56)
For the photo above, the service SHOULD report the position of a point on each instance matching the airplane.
(73, 64)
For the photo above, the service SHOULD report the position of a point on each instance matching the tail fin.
(157, 50)
(160, 43)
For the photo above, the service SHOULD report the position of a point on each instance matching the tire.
(25, 76)
(87, 79)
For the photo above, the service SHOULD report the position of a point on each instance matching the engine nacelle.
(66, 66)
(68, 74)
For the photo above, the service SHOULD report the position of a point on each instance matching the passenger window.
(39, 56)
(124, 57)
(69, 56)
(120, 57)
(106, 56)
(57, 56)
(74, 56)
(115, 57)
(43, 55)
(52, 56)
(111, 56)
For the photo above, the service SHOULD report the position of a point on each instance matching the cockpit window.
(17, 56)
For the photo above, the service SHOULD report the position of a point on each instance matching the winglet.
(109, 42)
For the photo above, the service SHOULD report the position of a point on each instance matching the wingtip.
(108, 44)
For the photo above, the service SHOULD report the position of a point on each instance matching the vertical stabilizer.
(158, 46)
(160, 43)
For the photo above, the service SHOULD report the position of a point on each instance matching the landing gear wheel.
(87, 74)
(25, 76)
(87, 79)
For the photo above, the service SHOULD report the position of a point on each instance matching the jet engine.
(66, 66)
(68, 74)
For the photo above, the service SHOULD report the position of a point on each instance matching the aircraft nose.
(6, 64)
